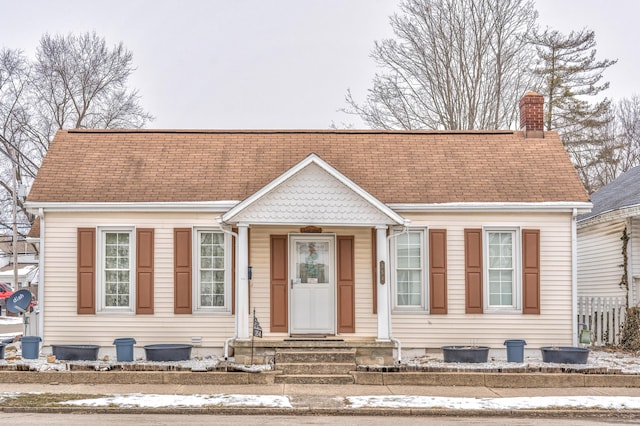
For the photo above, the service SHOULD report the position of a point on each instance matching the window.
(212, 280)
(502, 266)
(116, 266)
(409, 274)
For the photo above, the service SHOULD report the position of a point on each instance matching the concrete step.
(315, 379)
(314, 356)
(311, 369)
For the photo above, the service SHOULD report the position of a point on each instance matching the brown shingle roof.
(395, 167)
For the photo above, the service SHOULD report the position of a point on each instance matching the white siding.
(599, 260)
(552, 326)
(634, 247)
(63, 325)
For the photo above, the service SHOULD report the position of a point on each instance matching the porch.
(265, 351)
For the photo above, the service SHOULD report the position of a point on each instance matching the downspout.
(405, 229)
(40, 312)
(574, 278)
(235, 332)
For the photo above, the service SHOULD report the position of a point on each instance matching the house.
(613, 222)
(378, 238)
(27, 265)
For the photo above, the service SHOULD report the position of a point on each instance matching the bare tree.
(74, 82)
(15, 116)
(82, 83)
(454, 64)
(628, 133)
(616, 146)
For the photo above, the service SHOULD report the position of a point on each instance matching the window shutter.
(182, 283)
(374, 268)
(86, 303)
(144, 270)
(346, 281)
(473, 270)
(530, 271)
(279, 296)
(438, 271)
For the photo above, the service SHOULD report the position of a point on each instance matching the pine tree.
(570, 75)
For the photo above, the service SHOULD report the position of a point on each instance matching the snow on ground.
(613, 361)
(626, 362)
(355, 402)
(10, 320)
(155, 401)
(540, 402)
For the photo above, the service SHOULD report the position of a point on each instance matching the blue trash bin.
(30, 347)
(515, 350)
(124, 348)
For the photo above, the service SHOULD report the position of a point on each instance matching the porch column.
(242, 283)
(382, 255)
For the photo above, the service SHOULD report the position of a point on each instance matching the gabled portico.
(312, 194)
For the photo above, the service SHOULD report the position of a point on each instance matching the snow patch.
(156, 401)
(454, 403)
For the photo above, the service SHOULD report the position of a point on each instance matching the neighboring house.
(616, 208)
(426, 238)
(27, 265)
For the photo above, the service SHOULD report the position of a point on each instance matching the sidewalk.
(279, 399)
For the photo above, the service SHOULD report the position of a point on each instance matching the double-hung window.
(409, 270)
(212, 279)
(502, 254)
(116, 284)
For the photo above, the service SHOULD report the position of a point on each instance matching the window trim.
(197, 308)
(100, 270)
(424, 297)
(516, 306)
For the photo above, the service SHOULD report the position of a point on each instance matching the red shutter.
(182, 282)
(346, 285)
(473, 270)
(374, 268)
(86, 303)
(530, 271)
(279, 296)
(144, 270)
(438, 271)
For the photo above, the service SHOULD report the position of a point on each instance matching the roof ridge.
(294, 131)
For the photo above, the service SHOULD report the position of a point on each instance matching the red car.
(5, 290)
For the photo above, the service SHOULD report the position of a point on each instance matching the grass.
(30, 400)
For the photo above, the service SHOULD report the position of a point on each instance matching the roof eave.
(518, 207)
(609, 215)
(183, 206)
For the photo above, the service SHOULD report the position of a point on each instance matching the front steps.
(315, 365)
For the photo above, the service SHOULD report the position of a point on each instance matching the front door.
(312, 274)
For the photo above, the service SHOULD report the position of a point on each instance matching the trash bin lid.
(124, 340)
(514, 342)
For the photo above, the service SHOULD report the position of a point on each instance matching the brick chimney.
(532, 115)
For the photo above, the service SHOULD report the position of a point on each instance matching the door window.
(312, 266)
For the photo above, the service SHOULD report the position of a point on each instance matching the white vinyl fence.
(603, 316)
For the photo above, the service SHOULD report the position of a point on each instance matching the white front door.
(312, 295)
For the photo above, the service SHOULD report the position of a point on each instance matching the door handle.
(291, 284)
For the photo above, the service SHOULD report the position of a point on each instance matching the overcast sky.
(222, 64)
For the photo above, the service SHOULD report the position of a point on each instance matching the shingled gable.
(414, 167)
(313, 192)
